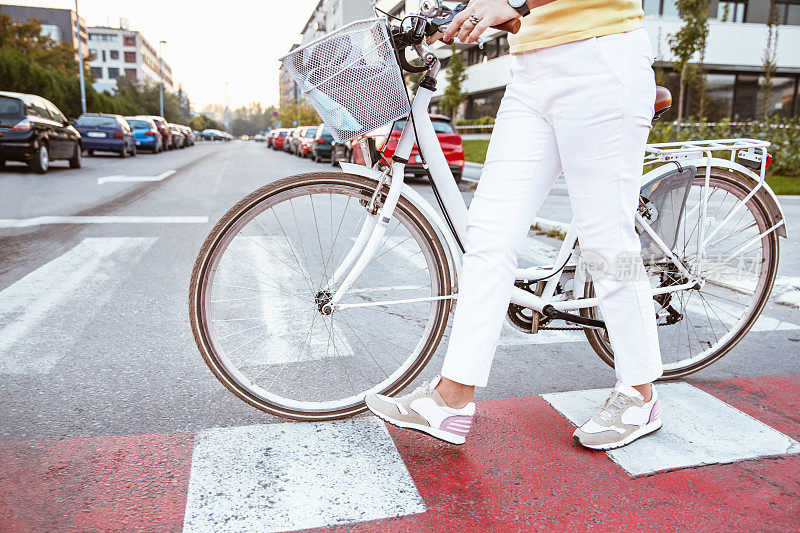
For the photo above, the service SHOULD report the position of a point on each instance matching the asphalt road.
(100, 345)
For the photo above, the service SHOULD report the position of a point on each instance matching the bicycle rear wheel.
(699, 326)
(261, 274)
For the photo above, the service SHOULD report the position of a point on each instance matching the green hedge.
(483, 121)
(783, 134)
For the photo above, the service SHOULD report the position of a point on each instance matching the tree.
(304, 114)
(689, 40)
(202, 122)
(768, 61)
(456, 76)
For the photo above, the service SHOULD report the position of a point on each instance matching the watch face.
(516, 3)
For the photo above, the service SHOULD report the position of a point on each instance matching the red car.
(305, 141)
(279, 139)
(449, 139)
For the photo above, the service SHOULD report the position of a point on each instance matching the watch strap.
(523, 10)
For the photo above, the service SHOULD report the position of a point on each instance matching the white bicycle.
(319, 288)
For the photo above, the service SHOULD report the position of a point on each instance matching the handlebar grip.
(511, 26)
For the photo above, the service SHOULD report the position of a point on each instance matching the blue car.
(146, 134)
(106, 133)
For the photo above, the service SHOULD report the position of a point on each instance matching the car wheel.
(75, 160)
(41, 161)
(90, 152)
(2, 163)
(133, 151)
(124, 153)
(457, 175)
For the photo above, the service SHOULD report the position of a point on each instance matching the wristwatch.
(521, 6)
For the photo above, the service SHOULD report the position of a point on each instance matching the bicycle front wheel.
(261, 274)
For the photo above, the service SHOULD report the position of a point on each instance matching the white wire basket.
(352, 78)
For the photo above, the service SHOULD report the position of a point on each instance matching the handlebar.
(434, 14)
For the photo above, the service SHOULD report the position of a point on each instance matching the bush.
(783, 134)
(483, 121)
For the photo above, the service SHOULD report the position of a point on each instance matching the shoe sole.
(433, 432)
(643, 431)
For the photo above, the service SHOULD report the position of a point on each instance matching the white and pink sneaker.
(426, 411)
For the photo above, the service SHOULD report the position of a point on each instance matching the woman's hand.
(487, 12)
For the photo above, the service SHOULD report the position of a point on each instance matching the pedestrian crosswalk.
(33, 324)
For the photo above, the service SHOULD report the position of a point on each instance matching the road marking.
(49, 305)
(699, 429)
(105, 219)
(123, 178)
(289, 476)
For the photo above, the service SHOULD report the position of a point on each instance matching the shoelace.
(421, 389)
(614, 405)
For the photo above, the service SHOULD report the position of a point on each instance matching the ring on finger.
(474, 19)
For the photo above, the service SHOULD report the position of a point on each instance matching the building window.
(732, 11)
(111, 37)
(130, 57)
(788, 12)
(651, 7)
(92, 52)
(104, 55)
(98, 72)
(781, 98)
(129, 40)
(719, 97)
(113, 73)
(130, 73)
(484, 104)
(113, 54)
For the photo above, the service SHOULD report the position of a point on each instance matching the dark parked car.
(323, 144)
(146, 134)
(341, 152)
(106, 133)
(34, 131)
(178, 137)
(188, 134)
(163, 129)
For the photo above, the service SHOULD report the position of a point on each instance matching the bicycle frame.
(419, 125)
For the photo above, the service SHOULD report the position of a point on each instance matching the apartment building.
(733, 59)
(58, 24)
(122, 52)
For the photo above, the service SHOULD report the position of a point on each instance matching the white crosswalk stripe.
(699, 429)
(34, 310)
(291, 476)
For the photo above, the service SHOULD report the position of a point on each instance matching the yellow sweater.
(565, 21)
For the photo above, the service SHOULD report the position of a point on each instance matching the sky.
(209, 43)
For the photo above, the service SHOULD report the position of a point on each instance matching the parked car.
(279, 140)
(291, 140)
(106, 133)
(211, 134)
(341, 152)
(386, 140)
(304, 143)
(146, 134)
(323, 144)
(188, 134)
(34, 131)
(178, 137)
(163, 129)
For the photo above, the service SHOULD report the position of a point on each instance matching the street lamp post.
(80, 57)
(161, 78)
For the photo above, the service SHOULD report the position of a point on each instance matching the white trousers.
(584, 108)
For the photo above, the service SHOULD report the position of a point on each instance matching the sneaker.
(424, 410)
(624, 418)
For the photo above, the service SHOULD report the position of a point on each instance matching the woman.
(580, 101)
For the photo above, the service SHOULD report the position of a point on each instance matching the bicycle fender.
(416, 199)
(765, 193)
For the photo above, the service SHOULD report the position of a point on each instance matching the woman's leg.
(521, 165)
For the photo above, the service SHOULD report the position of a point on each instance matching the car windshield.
(439, 126)
(97, 121)
(311, 132)
(443, 126)
(10, 107)
(140, 124)
(282, 134)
